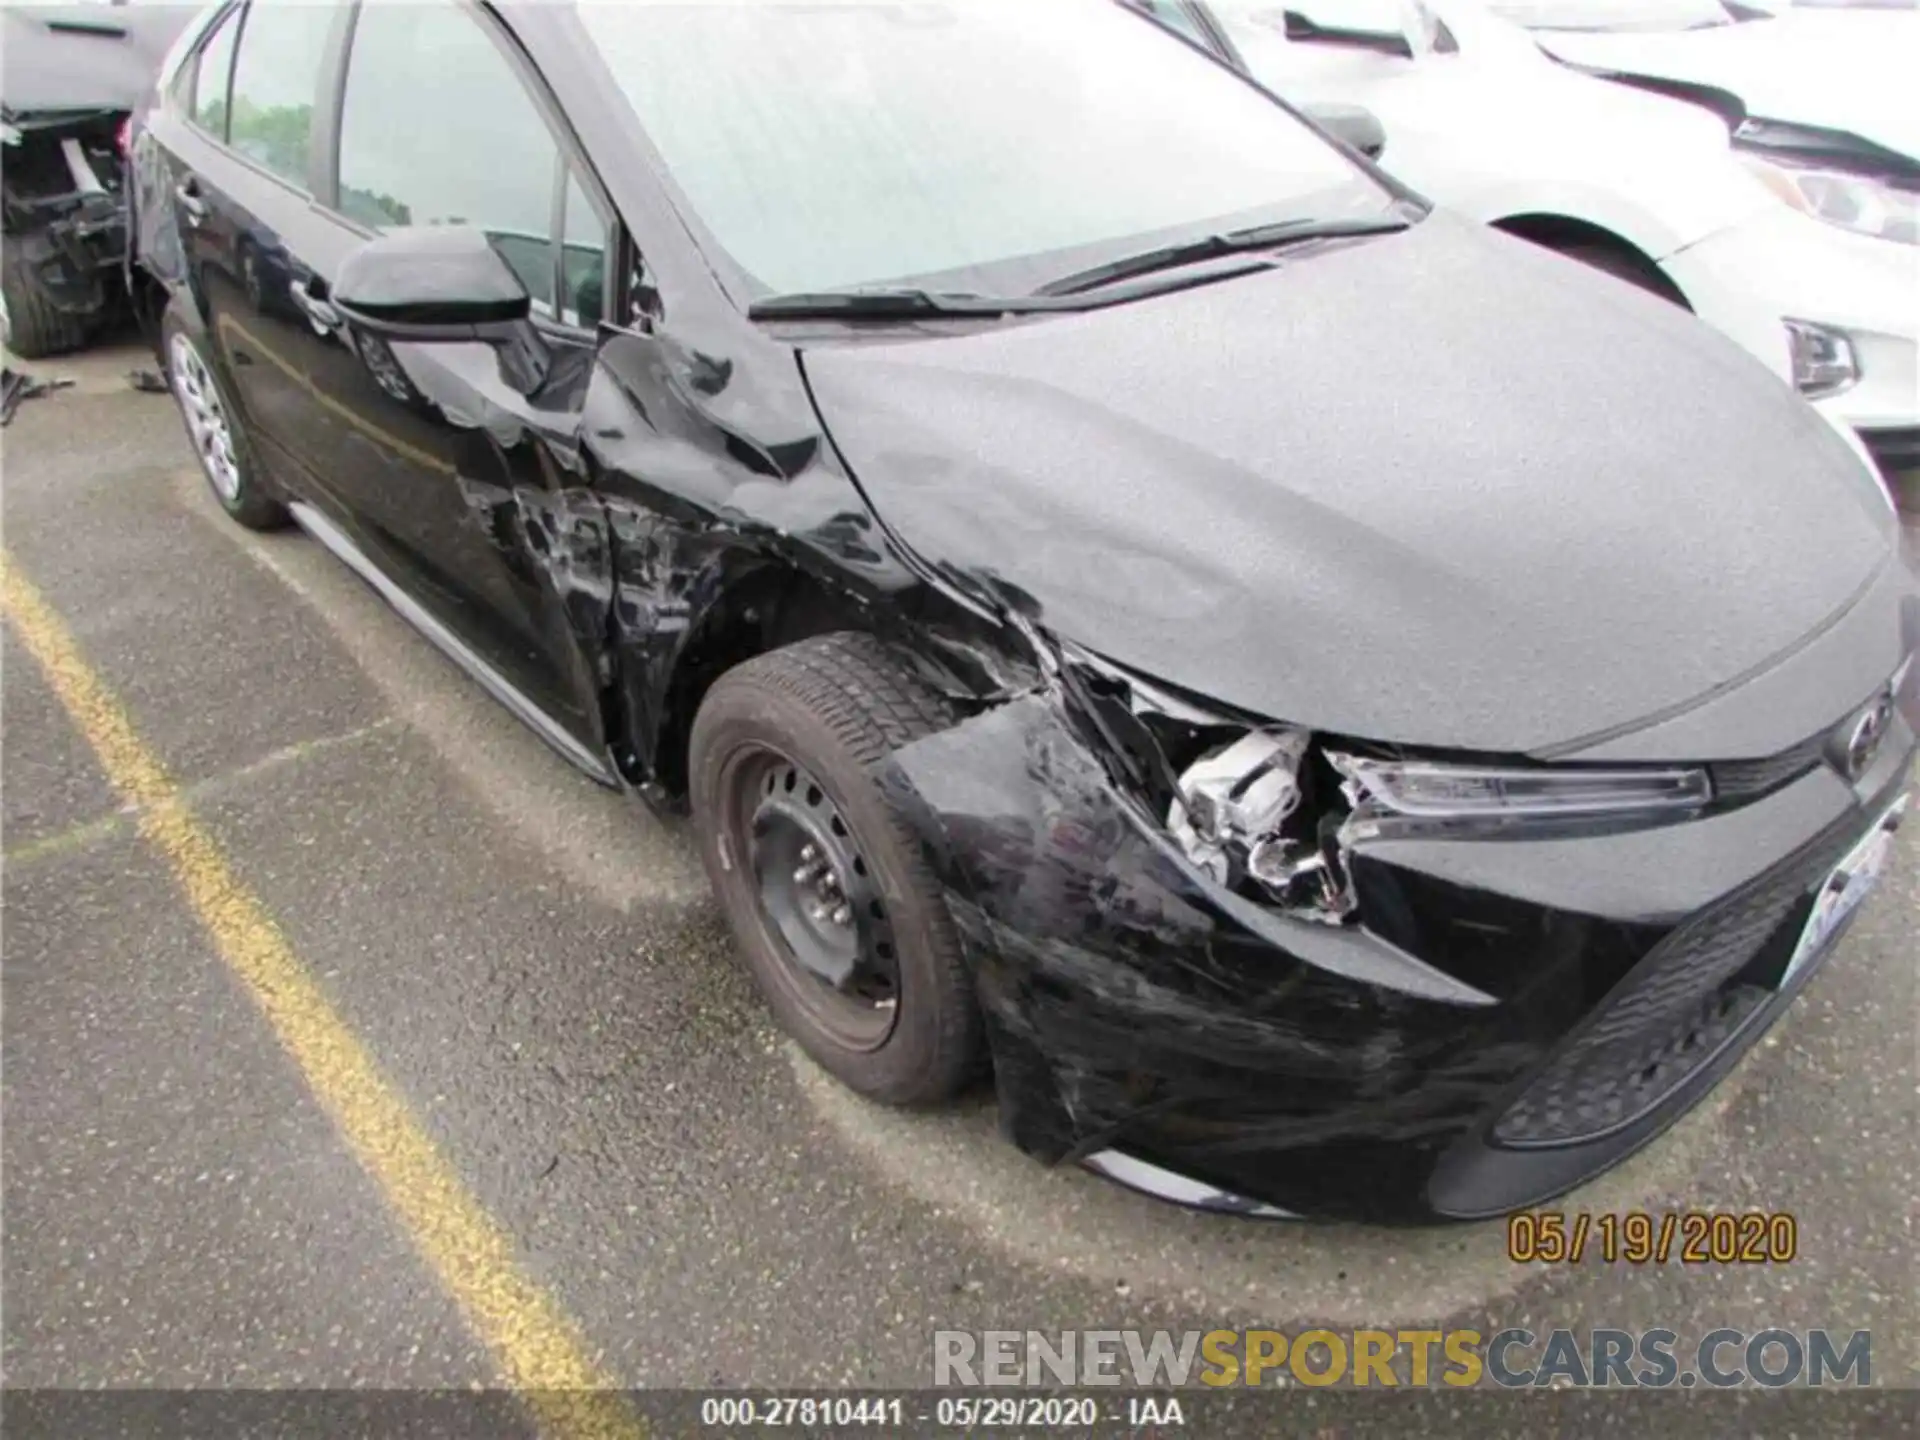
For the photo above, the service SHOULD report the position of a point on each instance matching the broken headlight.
(1245, 811)
(1433, 791)
(1272, 811)
(1235, 814)
(1236, 798)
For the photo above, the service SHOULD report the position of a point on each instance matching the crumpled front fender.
(1123, 988)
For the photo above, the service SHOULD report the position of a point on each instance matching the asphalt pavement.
(538, 977)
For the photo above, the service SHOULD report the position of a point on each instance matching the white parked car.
(1749, 194)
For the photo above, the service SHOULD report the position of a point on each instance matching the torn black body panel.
(1135, 1006)
(735, 529)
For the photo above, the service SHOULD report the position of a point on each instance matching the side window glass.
(275, 78)
(437, 129)
(211, 72)
(583, 263)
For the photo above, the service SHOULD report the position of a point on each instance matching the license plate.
(1849, 883)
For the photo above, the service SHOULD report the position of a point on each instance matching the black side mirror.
(1353, 125)
(1387, 42)
(442, 284)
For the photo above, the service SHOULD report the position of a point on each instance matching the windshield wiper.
(892, 305)
(907, 303)
(1209, 247)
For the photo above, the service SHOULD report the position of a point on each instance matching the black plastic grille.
(1615, 1088)
(1672, 1013)
(1746, 779)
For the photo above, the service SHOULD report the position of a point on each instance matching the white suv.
(1667, 183)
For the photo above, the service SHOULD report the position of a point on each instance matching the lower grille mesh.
(1675, 1010)
(1574, 1101)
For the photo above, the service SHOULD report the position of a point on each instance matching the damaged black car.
(71, 79)
(1338, 712)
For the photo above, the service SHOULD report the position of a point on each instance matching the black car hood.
(1437, 488)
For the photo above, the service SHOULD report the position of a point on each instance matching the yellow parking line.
(535, 1345)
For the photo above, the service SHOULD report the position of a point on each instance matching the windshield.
(983, 145)
(1615, 15)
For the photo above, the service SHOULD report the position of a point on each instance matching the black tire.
(248, 500)
(36, 327)
(835, 707)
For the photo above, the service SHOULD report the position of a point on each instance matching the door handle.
(191, 205)
(315, 307)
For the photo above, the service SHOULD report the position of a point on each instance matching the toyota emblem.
(1863, 744)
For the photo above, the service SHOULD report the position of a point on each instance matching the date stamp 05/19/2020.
(1640, 1237)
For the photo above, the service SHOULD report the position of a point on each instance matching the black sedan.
(1343, 712)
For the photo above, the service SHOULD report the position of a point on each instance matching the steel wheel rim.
(799, 851)
(207, 423)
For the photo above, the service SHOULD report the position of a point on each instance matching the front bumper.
(1749, 279)
(1472, 1046)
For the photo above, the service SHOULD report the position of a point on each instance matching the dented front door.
(460, 482)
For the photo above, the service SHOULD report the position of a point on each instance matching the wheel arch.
(746, 608)
(1570, 235)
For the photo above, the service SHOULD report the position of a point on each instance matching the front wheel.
(833, 906)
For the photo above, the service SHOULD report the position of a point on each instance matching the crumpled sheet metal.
(1121, 986)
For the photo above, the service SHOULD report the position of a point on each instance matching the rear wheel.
(839, 918)
(213, 426)
(36, 327)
